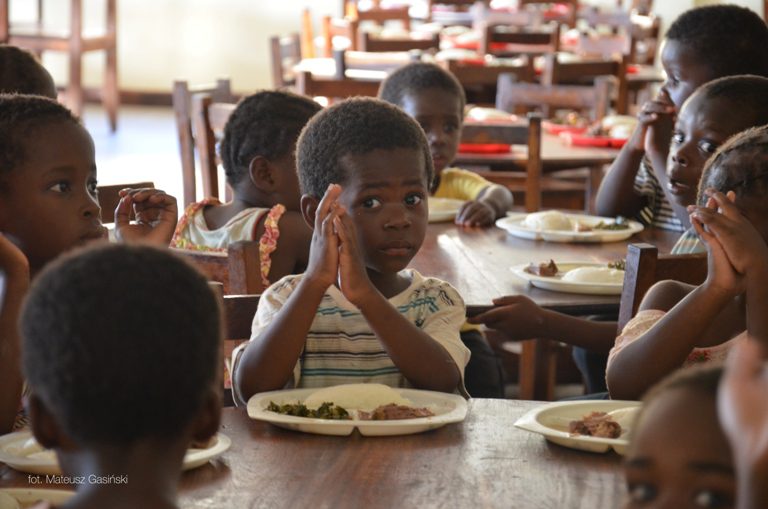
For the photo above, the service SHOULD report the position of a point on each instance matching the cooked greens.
(324, 411)
(620, 223)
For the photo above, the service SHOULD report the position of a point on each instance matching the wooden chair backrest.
(518, 133)
(480, 81)
(521, 98)
(238, 269)
(380, 16)
(520, 42)
(585, 71)
(573, 5)
(182, 107)
(334, 88)
(346, 28)
(645, 267)
(369, 42)
(208, 120)
(285, 53)
(109, 197)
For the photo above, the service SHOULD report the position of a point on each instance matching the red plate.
(484, 148)
(553, 128)
(578, 140)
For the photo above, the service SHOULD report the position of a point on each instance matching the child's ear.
(260, 171)
(45, 428)
(206, 424)
(308, 209)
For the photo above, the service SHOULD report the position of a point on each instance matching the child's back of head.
(22, 73)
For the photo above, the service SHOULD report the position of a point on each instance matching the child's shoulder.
(426, 285)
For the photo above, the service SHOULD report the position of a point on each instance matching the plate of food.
(372, 409)
(21, 498)
(589, 425)
(443, 209)
(556, 226)
(22, 452)
(574, 277)
(568, 122)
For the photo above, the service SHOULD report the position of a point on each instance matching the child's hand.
(156, 215)
(323, 265)
(656, 120)
(475, 213)
(354, 282)
(515, 315)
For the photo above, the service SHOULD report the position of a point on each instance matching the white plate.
(447, 408)
(557, 284)
(46, 462)
(552, 419)
(443, 209)
(513, 223)
(28, 496)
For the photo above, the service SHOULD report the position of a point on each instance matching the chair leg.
(111, 94)
(75, 86)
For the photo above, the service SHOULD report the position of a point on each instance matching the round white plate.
(447, 408)
(28, 496)
(551, 421)
(513, 223)
(557, 284)
(45, 462)
(443, 209)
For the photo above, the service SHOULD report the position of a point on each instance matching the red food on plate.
(578, 140)
(484, 148)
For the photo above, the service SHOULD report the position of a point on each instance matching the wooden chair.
(237, 269)
(573, 11)
(480, 81)
(334, 88)
(369, 42)
(208, 121)
(109, 197)
(519, 133)
(285, 53)
(75, 44)
(518, 41)
(645, 267)
(334, 29)
(182, 107)
(380, 16)
(585, 71)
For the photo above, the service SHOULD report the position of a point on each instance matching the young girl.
(702, 44)
(679, 325)
(435, 98)
(258, 156)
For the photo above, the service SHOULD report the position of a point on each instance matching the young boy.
(22, 73)
(702, 44)
(435, 98)
(121, 352)
(355, 315)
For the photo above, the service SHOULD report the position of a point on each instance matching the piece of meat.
(543, 269)
(596, 424)
(393, 412)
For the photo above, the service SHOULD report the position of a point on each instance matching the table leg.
(538, 367)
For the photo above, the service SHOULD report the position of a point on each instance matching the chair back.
(182, 107)
(480, 81)
(334, 29)
(645, 267)
(238, 269)
(109, 197)
(380, 15)
(585, 71)
(285, 53)
(370, 42)
(573, 8)
(334, 88)
(518, 41)
(208, 120)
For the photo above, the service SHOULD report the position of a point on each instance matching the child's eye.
(450, 128)
(711, 499)
(413, 199)
(677, 137)
(640, 492)
(370, 203)
(707, 147)
(61, 187)
(93, 188)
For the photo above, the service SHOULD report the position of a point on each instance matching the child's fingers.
(490, 318)
(725, 205)
(326, 204)
(123, 210)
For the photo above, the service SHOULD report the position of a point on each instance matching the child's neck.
(388, 284)
(145, 474)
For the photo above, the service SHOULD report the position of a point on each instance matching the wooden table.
(483, 462)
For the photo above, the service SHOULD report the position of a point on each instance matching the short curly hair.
(417, 77)
(264, 124)
(22, 73)
(728, 38)
(121, 342)
(747, 93)
(20, 116)
(353, 127)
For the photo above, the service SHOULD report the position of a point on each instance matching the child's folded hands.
(323, 265)
(354, 282)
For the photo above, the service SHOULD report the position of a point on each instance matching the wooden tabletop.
(477, 262)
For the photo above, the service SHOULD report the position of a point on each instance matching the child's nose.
(397, 218)
(679, 157)
(91, 206)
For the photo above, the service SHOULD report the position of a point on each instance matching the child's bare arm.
(156, 216)
(419, 357)
(268, 361)
(520, 318)
(493, 202)
(15, 267)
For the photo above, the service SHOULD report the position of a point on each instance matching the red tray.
(484, 148)
(578, 140)
(553, 128)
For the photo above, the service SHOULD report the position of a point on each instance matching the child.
(702, 44)
(121, 350)
(355, 315)
(21, 73)
(435, 98)
(716, 111)
(679, 325)
(48, 205)
(258, 156)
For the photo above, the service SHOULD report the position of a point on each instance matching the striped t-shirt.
(657, 211)
(341, 347)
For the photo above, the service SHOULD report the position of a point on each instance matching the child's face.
(385, 193)
(439, 114)
(685, 73)
(678, 455)
(50, 202)
(702, 126)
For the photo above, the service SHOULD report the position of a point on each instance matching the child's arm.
(493, 202)
(15, 266)
(616, 195)
(742, 405)
(419, 357)
(156, 216)
(520, 318)
(268, 361)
